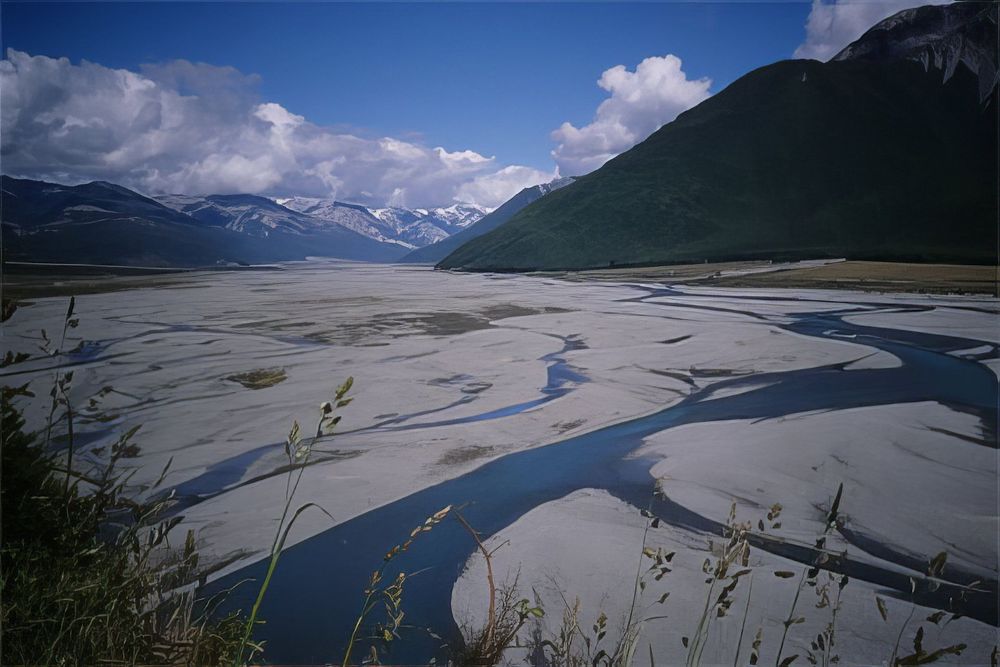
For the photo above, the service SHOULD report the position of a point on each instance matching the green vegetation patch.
(88, 577)
(262, 378)
(461, 455)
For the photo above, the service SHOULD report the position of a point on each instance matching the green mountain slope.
(865, 159)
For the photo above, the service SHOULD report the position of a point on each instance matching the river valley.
(549, 411)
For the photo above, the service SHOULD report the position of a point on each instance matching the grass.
(875, 277)
(88, 578)
(297, 450)
(262, 378)
(727, 570)
(505, 614)
(460, 455)
(852, 275)
(88, 575)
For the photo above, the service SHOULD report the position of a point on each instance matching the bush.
(87, 575)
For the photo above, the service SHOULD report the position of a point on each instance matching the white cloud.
(832, 26)
(196, 128)
(501, 185)
(640, 103)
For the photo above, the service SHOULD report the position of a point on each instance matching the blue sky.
(411, 104)
(494, 78)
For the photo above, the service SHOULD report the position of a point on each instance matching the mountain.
(410, 228)
(887, 152)
(37, 206)
(421, 226)
(350, 216)
(434, 253)
(458, 215)
(248, 214)
(103, 223)
(943, 39)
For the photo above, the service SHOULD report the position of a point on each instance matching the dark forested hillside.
(890, 157)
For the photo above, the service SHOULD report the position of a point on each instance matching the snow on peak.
(412, 228)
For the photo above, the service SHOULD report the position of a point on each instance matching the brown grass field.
(854, 275)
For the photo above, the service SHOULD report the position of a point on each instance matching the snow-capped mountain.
(422, 226)
(104, 223)
(350, 216)
(442, 248)
(249, 214)
(412, 228)
(107, 224)
(460, 215)
(262, 217)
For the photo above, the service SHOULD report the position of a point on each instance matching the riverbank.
(879, 277)
(26, 280)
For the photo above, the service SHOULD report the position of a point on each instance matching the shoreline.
(841, 275)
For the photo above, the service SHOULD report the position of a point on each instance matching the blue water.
(229, 473)
(316, 591)
(560, 379)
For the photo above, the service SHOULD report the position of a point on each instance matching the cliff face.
(941, 37)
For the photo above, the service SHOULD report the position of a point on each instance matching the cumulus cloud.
(503, 184)
(641, 101)
(832, 26)
(197, 128)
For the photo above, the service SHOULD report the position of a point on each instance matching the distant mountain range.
(431, 254)
(412, 228)
(888, 152)
(104, 223)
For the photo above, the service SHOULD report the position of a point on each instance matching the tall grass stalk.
(735, 554)
(46, 347)
(298, 451)
(505, 614)
(88, 573)
(790, 621)
(743, 625)
(392, 593)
